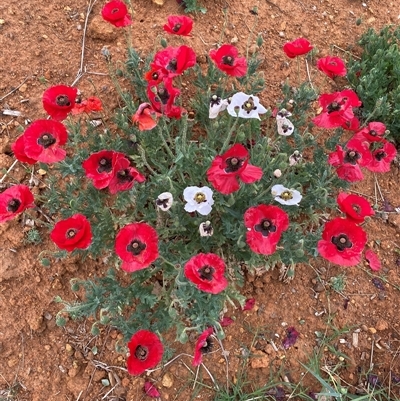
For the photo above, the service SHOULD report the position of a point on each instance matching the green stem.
(228, 138)
(164, 142)
(142, 153)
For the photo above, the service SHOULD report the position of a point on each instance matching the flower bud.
(277, 173)
(164, 43)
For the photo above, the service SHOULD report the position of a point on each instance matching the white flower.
(245, 106)
(283, 113)
(277, 173)
(286, 196)
(295, 157)
(198, 200)
(206, 229)
(164, 201)
(216, 105)
(285, 126)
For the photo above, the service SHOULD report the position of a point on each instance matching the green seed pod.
(164, 43)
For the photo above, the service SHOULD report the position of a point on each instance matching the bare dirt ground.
(41, 45)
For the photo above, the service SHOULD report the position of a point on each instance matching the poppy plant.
(216, 106)
(99, 167)
(72, 233)
(162, 95)
(245, 106)
(173, 61)
(42, 140)
(59, 100)
(179, 25)
(355, 207)
(198, 200)
(227, 60)
(227, 169)
(145, 352)
(15, 200)
(137, 245)
(286, 196)
(297, 47)
(18, 147)
(87, 106)
(203, 346)
(116, 13)
(337, 110)
(124, 176)
(373, 132)
(206, 229)
(342, 242)
(146, 117)
(383, 154)
(332, 66)
(265, 224)
(206, 271)
(164, 201)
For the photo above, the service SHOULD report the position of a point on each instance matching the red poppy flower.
(203, 346)
(355, 207)
(87, 105)
(99, 167)
(337, 110)
(342, 242)
(145, 352)
(173, 61)
(145, 117)
(179, 25)
(124, 176)
(42, 140)
(59, 100)
(383, 154)
(227, 169)
(332, 66)
(18, 147)
(72, 233)
(227, 60)
(206, 271)
(346, 163)
(15, 200)
(296, 48)
(373, 132)
(156, 75)
(162, 95)
(137, 245)
(265, 225)
(116, 13)
(226, 321)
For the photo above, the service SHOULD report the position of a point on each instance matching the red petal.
(151, 390)
(226, 321)
(249, 304)
(373, 260)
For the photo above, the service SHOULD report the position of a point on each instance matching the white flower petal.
(206, 229)
(285, 126)
(239, 99)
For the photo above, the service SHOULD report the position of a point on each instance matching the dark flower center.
(13, 205)
(206, 273)
(141, 352)
(351, 157)
(356, 208)
(265, 227)
(154, 75)
(114, 10)
(46, 140)
(172, 65)
(286, 128)
(215, 100)
(233, 164)
(373, 132)
(286, 195)
(207, 227)
(163, 95)
(248, 105)
(334, 106)
(228, 60)
(200, 197)
(63, 100)
(207, 346)
(136, 247)
(71, 233)
(124, 176)
(379, 155)
(162, 203)
(177, 27)
(105, 165)
(341, 242)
